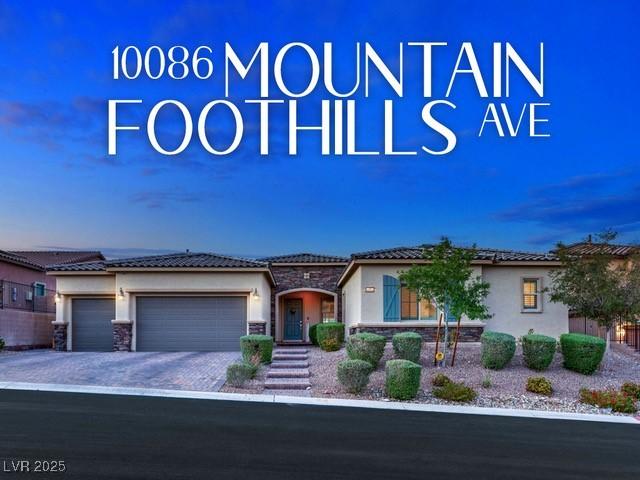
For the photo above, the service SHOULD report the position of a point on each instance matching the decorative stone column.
(122, 336)
(60, 337)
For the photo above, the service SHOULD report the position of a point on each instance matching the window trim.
(418, 318)
(41, 285)
(538, 294)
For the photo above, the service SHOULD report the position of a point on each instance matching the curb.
(315, 401)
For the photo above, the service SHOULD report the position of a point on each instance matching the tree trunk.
(455, 343)
(435, 360)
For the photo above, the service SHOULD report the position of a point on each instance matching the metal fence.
(32, 298)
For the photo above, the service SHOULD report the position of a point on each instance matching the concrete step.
(286, 383)
(288, 373)
(290, 350)
(290, 356)
(290, 364)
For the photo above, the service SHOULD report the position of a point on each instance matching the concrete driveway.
(203, 371)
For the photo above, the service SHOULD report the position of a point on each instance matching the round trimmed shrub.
(538, 351)
(330, 336)
(582, 353)
(313, 333)
(402, 379)
(539, 385)
(497, 349)
(256, 348)
(455, 392)
(366, 346)
(407, 346)
(353, 375)
(239, 373)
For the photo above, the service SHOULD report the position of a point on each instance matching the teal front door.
(293, 320)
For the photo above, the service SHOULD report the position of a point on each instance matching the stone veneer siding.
(60, 338)
(289, 277)
(428, 333)
(122, 337)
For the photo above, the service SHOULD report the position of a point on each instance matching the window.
(531, 295)
(39, 289)
(328, 310)
(412, 309)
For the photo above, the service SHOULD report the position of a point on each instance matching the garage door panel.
(190, 323)
(91, 324)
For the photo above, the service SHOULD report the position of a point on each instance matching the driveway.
(204, 371)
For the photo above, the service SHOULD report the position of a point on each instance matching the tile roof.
(19, 260)
(589, 248)
(185, 260)
(45, 258)
(78, 267)
(304, 258)
(416, 253)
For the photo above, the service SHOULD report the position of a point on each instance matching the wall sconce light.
(370, 289)
(57, 298)
(121, 294)
(255, 294)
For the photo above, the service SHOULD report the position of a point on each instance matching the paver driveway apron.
(203, 371)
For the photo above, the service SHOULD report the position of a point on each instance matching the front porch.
(296, 310)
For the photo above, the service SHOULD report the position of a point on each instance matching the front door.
(293, 319)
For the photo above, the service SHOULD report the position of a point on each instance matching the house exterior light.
(370, 289)
(255, 294)
(57, 298)
(121, 294)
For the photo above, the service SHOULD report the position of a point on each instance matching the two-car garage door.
(164, 323)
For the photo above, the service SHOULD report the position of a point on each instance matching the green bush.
(455, 392)
(617, 401)
(539, 385)
(1, 344)
(538, 351)
(366, 346)
(497, 349)
(330, 336)
(582, 353)
(631, 389)
(440, 380)
(353, 375)
(313, 333)
(407, 346)
(256, 348)
(238, 373)
(402, 379)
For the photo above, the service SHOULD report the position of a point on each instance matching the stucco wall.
(26, 329)
(505, 298)
(353, 292)
(26, 276)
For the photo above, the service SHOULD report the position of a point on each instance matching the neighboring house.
(26, 295)
(200, 301)
(375, 301)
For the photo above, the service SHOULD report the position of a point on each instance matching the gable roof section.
(11, 257)
(305, 258)
(590, 248)
(78, 267)
(411, 255)
(57, 257)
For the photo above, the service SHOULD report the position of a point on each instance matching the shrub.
(631, 389)
(238, 373)
(497, 349)
(353, 375)
(330, 336)
(366, 346)
(538, 351)
(253, 346)
(582, 353)
(407, 346)
(440, 380)
(1, 344)
(402, 379)
(486, 382)
(539, 385)
(613, 399)
(313, 333)
(455, 392)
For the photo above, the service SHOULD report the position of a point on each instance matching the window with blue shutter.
(391, 299)
(450, 317)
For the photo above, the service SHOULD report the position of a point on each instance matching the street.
(111, 436)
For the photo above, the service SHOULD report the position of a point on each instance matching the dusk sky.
(61, 189)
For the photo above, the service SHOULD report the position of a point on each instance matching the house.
(203, 301)
(26, 294)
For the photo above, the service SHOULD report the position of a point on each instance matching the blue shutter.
(391, 299)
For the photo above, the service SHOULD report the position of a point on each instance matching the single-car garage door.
(91, 329)
(190, 324)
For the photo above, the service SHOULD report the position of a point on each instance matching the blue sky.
(60, 188)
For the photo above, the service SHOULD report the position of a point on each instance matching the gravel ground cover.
(507, 386)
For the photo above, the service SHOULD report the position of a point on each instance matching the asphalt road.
(104, 436)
